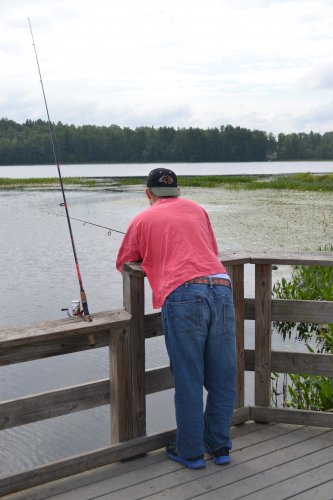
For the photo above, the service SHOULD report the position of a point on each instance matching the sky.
(258, 64)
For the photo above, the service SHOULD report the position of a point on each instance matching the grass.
(8, 183)
(300, 182)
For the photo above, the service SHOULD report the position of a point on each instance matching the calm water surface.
(135, 169)
(38, 278)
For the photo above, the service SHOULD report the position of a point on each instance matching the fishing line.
(110, 229)
(86, 315)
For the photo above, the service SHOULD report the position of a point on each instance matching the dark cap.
(163, 182)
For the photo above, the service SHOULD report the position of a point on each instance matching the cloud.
(185, 63)
(320, 77)
(317, 117)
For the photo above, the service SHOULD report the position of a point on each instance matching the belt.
(205, 280)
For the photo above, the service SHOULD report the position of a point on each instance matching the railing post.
(127, 363)
(263, 334)
(236, 273)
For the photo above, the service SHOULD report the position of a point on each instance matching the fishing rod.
(85, 312)
(110, 229)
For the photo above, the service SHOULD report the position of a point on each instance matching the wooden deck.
(269, 461)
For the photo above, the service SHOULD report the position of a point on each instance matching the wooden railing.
(125, 331)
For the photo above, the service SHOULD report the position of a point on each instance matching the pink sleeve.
(129, 249)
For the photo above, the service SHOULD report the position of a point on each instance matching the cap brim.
(165, 191)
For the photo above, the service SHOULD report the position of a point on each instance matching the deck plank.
(109, 471)
(297, 483)
(321, 492)
(237, 479)
(268, 461)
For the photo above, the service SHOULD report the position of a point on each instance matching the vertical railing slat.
(236, 273)
(120, 390)
(263, 333)
(127, 365)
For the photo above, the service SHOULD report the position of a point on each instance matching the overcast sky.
(259, 64)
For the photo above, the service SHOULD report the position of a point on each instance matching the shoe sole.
(223, 460)
(199, 464)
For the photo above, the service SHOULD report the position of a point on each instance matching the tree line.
(29, 144)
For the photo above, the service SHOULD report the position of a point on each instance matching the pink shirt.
(174, 240)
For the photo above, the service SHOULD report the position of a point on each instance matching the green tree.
(29, 143)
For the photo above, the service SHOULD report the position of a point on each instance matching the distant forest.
(29, 144)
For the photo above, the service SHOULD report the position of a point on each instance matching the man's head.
(162, 182)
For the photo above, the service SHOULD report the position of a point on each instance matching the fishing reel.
(76, 309)
(77, 312)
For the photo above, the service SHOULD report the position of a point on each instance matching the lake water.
(38, 278)
(135, 169)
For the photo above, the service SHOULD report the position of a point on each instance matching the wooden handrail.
(59, 330)
(277, 257)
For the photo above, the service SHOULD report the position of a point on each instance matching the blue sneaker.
(191, 463)
(220, 456)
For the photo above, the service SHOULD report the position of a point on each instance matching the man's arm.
(129, 250)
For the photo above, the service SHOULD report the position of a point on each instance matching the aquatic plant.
(306, 283)
(8, 183)
(309, 392)
(300, 182)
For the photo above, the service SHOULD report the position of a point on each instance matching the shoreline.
(298, 181)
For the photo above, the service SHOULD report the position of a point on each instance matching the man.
(174, 240)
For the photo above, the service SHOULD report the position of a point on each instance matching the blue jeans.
(199, 328)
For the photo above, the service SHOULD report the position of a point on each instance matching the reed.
(8, 183)
(299, 182)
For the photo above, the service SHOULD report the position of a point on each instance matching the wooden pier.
(277, 453)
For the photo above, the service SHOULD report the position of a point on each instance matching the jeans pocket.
(184, 316)
(229, 319)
